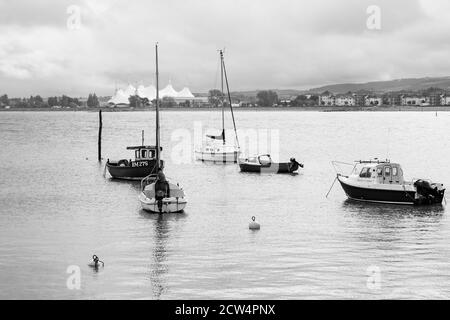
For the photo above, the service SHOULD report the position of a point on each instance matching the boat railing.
(375, 160)
(151, 178)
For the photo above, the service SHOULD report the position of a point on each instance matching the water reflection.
(369, 209)
(384, 223)
(163, 229)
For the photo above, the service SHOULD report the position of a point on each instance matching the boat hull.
(169, 205)
(223, 157)
(136, 170)
(378, 195)
(284, 167)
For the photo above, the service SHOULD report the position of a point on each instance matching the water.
(56, 210)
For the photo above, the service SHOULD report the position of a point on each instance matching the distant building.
(445, 100)
(373, 101)
(411, 100)
(327, 100)
(345, 100)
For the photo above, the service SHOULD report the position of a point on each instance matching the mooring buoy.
(95, 263)
(254, 225)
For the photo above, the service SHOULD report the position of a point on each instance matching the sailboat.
(172, 201)
(216, 148)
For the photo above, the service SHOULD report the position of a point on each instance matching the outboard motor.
(295, 161)
(428, 192)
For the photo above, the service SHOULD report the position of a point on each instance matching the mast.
(229, 100)
(223, 97)
(158, 148)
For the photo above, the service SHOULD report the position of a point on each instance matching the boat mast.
(158, 148)
(229, 100)
(223, 96)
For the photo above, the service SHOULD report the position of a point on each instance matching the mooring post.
(100, 135)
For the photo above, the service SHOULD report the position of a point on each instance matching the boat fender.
(254, 225)
(95, 263)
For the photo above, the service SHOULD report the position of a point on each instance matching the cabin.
(144, 152)
(381, 173)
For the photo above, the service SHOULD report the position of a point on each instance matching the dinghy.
(264, 163)
(383, 182)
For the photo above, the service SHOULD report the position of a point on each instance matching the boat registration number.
(139, 164)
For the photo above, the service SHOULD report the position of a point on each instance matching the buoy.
(254, 225)
(95, 263)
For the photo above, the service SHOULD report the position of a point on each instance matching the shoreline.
(298, 109)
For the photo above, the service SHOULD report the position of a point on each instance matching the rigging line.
(229, 99)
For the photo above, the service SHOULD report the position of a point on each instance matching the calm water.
(56, 210)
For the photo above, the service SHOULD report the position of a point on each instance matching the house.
(373, 101)
(411, 100)
(445, 100)
(345, 100)
(327, 99)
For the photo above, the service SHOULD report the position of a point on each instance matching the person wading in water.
(162, 189)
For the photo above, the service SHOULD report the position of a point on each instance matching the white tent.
(130, 90)
(119, 98)
(185, 93)
(147, 92)
(168, 91)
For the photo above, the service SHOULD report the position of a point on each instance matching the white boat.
(175, 203)
(218, 152)
(383, 182)
(216, 148)
(175, 200)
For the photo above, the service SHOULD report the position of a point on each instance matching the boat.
(383, 182)
(264, 163)
(173, 200)
(144, 164)
(216, 148)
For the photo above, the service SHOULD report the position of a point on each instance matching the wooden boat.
(264, 163)
(216, 148)
(143, 165)
(175, 199)
(383, 182)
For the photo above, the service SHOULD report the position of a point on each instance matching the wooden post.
(100, 136)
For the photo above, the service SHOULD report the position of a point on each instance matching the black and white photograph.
(209, 150)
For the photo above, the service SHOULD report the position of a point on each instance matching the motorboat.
(383, 182)
(264, 163)
(216, 148)
(152, 198)
(144, 164)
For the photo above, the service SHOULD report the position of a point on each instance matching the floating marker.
(254, 225)
(95, 263)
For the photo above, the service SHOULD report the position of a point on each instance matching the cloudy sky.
(47, 48)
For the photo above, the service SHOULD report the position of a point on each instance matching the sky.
(77, 47)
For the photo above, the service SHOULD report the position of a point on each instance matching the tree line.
(38, 102)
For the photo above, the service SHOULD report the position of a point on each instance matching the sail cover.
(221, 137)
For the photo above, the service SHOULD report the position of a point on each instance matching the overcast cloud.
(269, 44)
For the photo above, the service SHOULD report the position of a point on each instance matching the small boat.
(216, 148)
(176, 202)
(383, 182)
(143, 165)
(152, 198)
(264, 163)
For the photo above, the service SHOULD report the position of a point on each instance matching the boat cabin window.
(394, 171)
(379, 172)
(387, 171)
(365, 173)
(144, 153)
